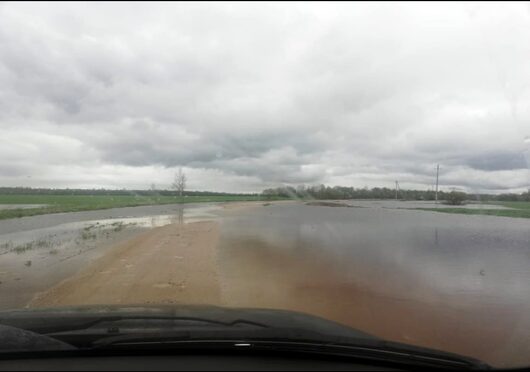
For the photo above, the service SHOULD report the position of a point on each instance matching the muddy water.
(450, 282)
(38, 252)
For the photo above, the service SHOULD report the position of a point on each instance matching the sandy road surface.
(169, 264)
(172, 264)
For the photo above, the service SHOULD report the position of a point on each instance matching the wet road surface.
(458, 283)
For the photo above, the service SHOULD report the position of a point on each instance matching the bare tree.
(179, 183)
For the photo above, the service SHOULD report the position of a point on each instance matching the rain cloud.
(248, 96)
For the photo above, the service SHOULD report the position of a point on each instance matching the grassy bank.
(76, 203)
(517, 210)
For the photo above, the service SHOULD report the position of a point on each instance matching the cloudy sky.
(248, 96)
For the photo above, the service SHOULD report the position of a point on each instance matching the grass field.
(518, 210)
(75, 203)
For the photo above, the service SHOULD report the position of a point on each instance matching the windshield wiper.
(383, 352)
(266, 339)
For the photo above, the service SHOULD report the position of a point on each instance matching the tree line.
(113, 192)
(300, 192)
(342, 192)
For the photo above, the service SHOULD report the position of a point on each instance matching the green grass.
(76, 203)
(515, 205)
(519, 210)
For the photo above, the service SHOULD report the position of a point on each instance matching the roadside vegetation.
(60, 203)
(456, 198)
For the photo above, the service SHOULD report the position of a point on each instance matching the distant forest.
(340, 192)
(44, 191)
(301, 192)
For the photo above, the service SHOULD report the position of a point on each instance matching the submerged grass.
(21, 248)
(86, 235)
(118, 226)
(42, 243)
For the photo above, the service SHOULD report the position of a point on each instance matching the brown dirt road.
(173, 264)
(167, 265)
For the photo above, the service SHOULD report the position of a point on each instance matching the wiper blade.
(97, 340)
(147, 327)
(112, 322)
(407, 356)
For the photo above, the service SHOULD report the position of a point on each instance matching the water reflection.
(180, 216)
(442, 281)
(155, 213)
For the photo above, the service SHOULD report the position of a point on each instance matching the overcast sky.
(248, 96)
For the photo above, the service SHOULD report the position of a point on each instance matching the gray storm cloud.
(255, 95)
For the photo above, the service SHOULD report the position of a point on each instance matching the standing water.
(451, 282)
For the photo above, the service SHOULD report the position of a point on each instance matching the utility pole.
(437, 174)
(397, 190)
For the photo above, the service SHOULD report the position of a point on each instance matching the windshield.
(363, 163)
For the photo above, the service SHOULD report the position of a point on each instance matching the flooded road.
(458, 283)
(450, 282)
